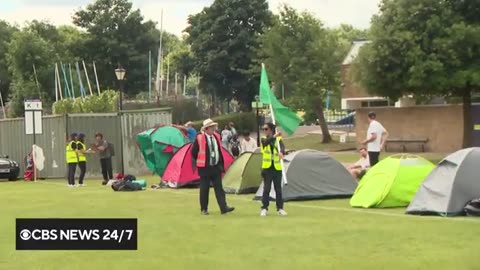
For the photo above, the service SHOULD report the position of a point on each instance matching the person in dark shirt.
(208, 159)
(272, 168)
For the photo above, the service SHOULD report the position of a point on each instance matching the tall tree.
(119, 35)
(6, 32)
(224, 39)
(302, 55)
(428, 48)
(25, 50)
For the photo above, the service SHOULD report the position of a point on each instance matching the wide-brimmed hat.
(208, 123)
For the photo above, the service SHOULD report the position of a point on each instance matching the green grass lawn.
(172, 234)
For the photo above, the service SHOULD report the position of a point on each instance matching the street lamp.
(120, 73)
(257, 105)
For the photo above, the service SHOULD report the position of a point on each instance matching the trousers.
(216, 180)
(270, 176)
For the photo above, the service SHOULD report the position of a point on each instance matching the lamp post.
(120, 73)
(257, 105)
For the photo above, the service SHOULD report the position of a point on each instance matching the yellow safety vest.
(81, 156)
(71, 155)
(267, 155)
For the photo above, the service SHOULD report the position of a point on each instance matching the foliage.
(304, 56)
(224, 38)
(185, 110)
(118, 35)
(242, 121)
(21, 90)
(6, 32)
(427, 48)
(106, 102)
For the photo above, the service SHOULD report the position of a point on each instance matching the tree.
(301, 54)
(119, 35)
(224, 40)
(428, 48)
(25, 50)
(6, 32)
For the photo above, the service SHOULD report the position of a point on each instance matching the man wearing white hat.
(207, 155)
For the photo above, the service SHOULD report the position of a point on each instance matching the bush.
(243, 121)
(104, 103)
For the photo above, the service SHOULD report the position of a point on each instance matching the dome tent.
(180, 171)
(450, 186)
(392, 182)
(312, 174)
(244, 175)
(158, 145)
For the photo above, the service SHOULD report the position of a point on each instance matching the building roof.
(353, 53)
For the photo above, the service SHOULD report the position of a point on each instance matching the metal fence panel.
(109, 125)
(16, 144)
(133, 123)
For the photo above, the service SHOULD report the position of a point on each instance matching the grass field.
(325, 234)
(173, 235)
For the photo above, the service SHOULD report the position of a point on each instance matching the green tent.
(158, 145)
(393, 182)
(244, 175)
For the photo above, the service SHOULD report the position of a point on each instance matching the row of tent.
(397, 181)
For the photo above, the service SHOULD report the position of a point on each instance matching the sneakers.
(81, 185)
(71, 186)
(280, 212)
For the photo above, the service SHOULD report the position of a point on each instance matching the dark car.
(8, 168)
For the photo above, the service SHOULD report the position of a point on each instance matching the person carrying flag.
(272, 168)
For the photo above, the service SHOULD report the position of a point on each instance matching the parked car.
(9, 169)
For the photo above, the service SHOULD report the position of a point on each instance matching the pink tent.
(179, 171)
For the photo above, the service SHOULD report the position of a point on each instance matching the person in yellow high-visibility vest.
(272, 168)
(72, 159)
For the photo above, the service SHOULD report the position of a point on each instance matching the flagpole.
(86, 76)
(284, 175)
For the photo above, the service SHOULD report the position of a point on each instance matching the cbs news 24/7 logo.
(76, 234)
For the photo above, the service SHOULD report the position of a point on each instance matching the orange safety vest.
(202, 148)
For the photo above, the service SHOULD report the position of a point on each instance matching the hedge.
(243, 121)
(106, 102)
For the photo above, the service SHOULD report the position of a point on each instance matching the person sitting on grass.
(359, 169)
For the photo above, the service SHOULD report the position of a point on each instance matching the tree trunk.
(318, 109)
(467, 118)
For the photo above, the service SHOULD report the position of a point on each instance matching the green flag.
(282, 116)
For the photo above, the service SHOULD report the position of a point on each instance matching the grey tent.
(447, 189)
(313, 174)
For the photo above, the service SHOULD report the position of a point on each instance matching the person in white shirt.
(376, 137)
(359, 169)
(248, 144)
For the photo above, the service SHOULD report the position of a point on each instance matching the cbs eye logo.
(25, 235)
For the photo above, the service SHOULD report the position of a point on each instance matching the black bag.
(123, 185)
(129, 177)
(235, 150)
(111, 148)
(473, 208)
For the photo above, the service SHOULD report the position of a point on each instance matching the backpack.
(473, 208)
(235, 149)
(111, 147)
(123, 185)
